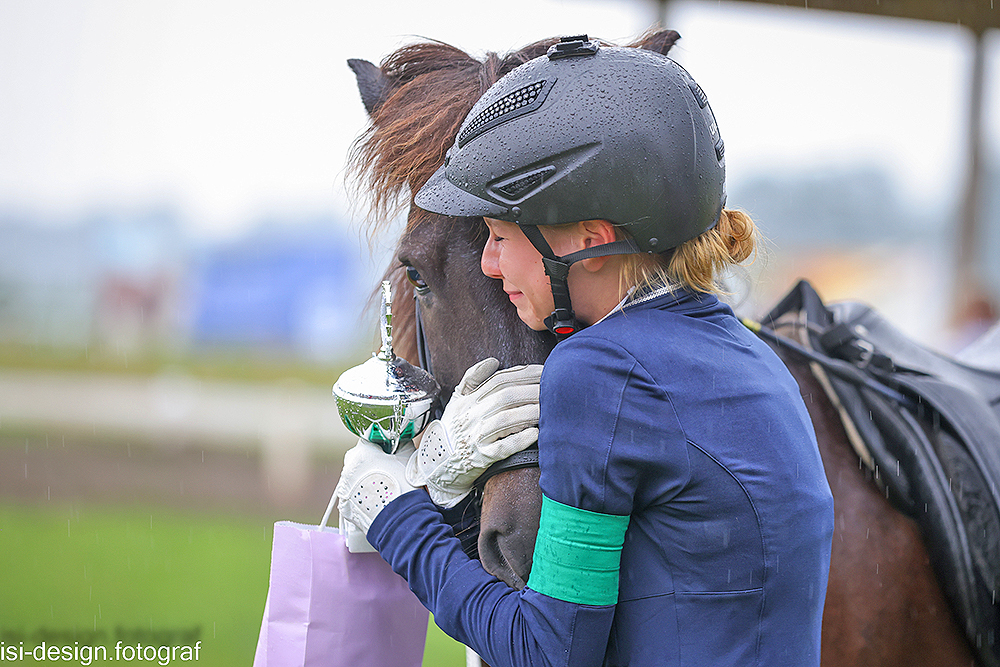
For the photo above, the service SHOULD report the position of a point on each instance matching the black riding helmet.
(588, 132)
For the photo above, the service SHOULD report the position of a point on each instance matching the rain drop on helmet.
(588, 132)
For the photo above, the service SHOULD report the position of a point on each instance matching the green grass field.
(78, 575)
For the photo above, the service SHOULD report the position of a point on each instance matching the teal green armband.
(577, 554)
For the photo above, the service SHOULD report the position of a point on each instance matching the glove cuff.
(355, 538)
(446, 497)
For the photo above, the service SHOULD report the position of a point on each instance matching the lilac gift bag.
(332, 608)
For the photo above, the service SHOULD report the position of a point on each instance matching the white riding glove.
(371, 479)
(491, 415)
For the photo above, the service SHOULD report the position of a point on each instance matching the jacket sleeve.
(508, 628)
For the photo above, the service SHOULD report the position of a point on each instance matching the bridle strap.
(423, 353)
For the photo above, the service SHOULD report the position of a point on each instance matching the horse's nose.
(512, 504)
(505, 559)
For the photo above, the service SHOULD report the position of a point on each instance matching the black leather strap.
(526, 458)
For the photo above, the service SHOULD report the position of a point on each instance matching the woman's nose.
(490, 262)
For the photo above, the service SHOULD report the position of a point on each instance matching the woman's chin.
(532, 320)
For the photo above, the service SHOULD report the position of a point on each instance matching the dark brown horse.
(883, 608)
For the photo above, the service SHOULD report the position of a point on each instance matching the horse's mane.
(428, 89)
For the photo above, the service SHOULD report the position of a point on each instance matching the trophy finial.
(385, 323)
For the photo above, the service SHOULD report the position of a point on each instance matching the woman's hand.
(371, 479)
(491, 415)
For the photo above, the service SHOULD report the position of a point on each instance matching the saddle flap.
(869, 326)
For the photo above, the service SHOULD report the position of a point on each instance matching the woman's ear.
(597, 232)
(594, 233)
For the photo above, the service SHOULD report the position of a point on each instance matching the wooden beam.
(977, 15)
(969, 289)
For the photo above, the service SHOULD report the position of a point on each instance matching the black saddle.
(927, 425)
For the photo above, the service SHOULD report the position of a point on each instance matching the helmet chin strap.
(562, 322)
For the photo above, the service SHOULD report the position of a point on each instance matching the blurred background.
(183, 272)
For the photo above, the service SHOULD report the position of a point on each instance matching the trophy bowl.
(386, 400)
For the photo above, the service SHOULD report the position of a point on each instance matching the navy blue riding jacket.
(670, 413)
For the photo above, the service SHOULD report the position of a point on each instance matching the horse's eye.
(418, 283)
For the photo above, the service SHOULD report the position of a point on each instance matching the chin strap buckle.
(562, 322)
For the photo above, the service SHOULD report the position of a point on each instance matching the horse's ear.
(659, 41)
(372, 83)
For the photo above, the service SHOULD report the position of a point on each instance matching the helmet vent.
(517, 103)
(513, 189)
(699, 94)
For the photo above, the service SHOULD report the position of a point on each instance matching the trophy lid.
(386, 400)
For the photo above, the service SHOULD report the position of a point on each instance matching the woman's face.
(510, 257)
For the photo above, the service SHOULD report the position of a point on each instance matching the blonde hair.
(695, 264)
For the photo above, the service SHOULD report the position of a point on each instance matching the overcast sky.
(227, 109)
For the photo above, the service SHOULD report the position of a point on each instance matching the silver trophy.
(386, 400)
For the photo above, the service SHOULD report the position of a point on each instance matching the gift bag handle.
(326, 515)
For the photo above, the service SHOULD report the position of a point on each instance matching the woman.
(686, 519)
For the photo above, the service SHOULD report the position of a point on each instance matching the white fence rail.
(288, 420)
